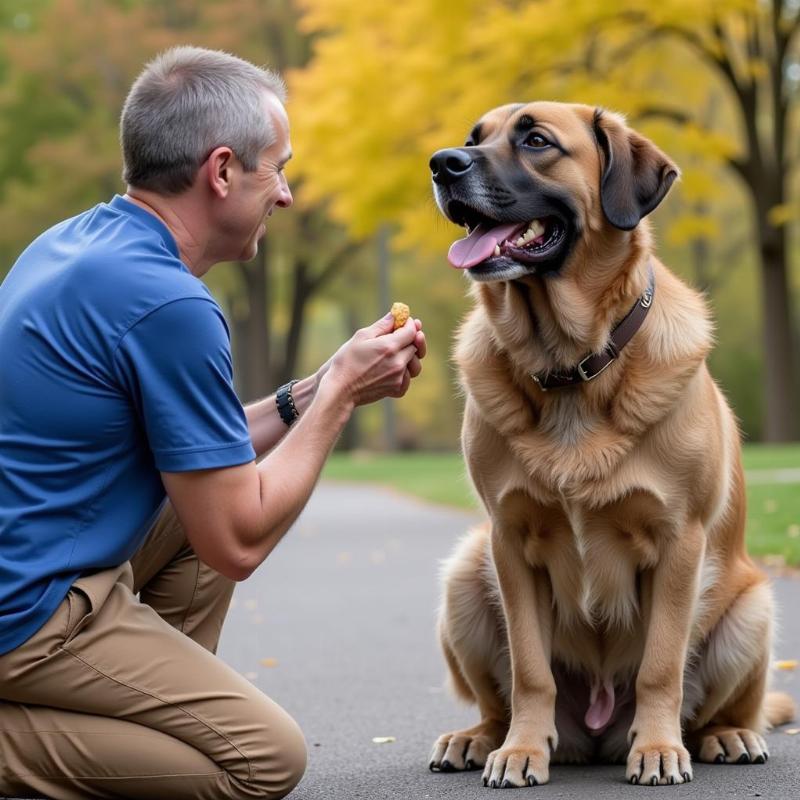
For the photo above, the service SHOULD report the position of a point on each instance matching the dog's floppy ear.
(636, 175)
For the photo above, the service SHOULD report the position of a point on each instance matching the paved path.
(346, 607)
(338, 627)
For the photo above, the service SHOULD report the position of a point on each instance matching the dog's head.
(534, 181)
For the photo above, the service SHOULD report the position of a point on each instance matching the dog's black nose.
(450, 164)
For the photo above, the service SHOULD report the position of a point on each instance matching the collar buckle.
(585, 376)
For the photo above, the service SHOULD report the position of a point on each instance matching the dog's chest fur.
(591, 535)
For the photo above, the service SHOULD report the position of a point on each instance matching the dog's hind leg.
(472, 636)
(736, 711)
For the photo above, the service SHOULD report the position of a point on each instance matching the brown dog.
(610, 608)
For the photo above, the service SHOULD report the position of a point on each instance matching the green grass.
(773, 527)
(435, 477)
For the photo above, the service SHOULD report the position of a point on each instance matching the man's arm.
(235, 516)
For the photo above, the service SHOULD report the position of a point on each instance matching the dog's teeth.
(497, 249)
(537, 228)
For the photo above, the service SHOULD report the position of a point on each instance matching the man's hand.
(377, 361)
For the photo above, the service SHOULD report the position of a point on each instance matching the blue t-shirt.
(114, 365)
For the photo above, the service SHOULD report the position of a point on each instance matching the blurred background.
(375, 89)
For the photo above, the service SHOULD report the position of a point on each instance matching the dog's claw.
(532, 781)
(470, 764)
(687, 777)
(744, 758)
(506, 784)
(431, 766)
(720, 759)
(634, 779)
(447, 766)
(758, 759)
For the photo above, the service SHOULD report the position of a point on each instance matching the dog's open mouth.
(528, 243)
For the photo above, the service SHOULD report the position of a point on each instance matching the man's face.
(258, 193)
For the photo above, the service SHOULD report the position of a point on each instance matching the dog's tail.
(778, 708)
(457, 682)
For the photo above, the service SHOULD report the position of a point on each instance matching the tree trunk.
(255, 367)
(301, 294)
(780, 411)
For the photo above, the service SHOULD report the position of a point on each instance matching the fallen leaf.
(792, 731)
(383, 739)
(269, 662)
(789, 664)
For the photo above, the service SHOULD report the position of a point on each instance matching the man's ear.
(218, 166)
(636, 175)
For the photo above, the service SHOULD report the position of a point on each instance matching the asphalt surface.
(342, 615)
(338, 627)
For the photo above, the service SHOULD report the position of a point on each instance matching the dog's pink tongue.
(479, 245)
(601, 705)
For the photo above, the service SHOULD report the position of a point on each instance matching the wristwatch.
(285, 403)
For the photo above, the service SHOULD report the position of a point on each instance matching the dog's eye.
(536, 140)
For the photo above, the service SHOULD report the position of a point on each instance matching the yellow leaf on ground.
(383, 739)
(792, 731)
(269, 662)
(788, 664)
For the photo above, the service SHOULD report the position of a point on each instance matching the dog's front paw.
(467, 749)
(658, 763)
(520, 762)
(722, 745)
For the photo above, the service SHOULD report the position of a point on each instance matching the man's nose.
(450, 164)
(286, 199)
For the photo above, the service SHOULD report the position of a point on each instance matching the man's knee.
(276, 764)
(292, 760)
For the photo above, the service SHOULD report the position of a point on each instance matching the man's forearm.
(290, 472)
(265, 424)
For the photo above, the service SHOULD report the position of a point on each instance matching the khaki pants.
(119, 697)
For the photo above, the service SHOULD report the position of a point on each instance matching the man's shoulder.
(103, 271)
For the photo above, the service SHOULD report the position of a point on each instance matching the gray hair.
(186, 102)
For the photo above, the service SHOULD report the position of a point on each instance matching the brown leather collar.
(594, 363)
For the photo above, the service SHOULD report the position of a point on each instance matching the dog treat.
(400, 312)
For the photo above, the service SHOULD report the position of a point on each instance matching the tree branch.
(676, 115)
(335, 261)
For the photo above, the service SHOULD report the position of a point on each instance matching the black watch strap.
(285, 403)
